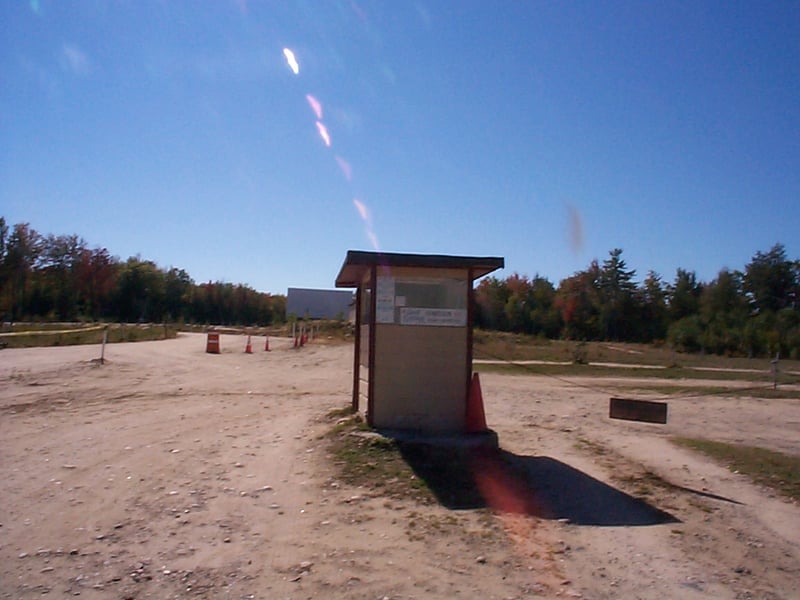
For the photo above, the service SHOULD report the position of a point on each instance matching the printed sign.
(434, 317)
(384, 300)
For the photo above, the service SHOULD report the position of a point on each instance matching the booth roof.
(357, 262)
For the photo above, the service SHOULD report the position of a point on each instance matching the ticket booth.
(413, 346)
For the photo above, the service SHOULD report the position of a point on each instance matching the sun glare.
(315, 105)
(291, 61)
(344, 166)
(347, 170)
(323, 133)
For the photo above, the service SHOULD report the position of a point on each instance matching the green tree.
(652, 299)
(723, 312)
(771, 280)
(140, 291)
(685, 334)
(5, 297)
(177, 294)
(544, 318)
(491, 297)
(617, 306)
(684, 295)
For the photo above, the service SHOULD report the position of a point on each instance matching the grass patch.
(368, 460)
(73, 334)
(761, 381)
(590, 447)
(644, 484)
(592, 370)
(325, 331)
(425, 473)
(509, 346)
(761, 390)
(777, 471)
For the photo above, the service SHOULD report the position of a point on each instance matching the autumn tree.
(578, 300)
(96, 281)
(57, 273)
(22, 252)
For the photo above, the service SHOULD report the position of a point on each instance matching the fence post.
(774, 364)
(103, 347)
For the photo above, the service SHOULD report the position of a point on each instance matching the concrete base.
(485, 439)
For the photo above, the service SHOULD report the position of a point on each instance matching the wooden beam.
(373, 307)
(357, 352)
(470, 317)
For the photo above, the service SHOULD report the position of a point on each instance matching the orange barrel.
(212, 345)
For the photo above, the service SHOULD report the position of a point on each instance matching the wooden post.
(371, 320)
(470, 317)
(103, 347)
(357, 351)
(774, 364)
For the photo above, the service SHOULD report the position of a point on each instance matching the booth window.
(424, 302)
(442, 293)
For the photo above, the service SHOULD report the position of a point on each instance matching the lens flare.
(344, 120)
(323, 133)
(365, 215)
(315, 105)
(291, 61)
(347, 170)
(362, 209)
(373, 239)
(575, 229)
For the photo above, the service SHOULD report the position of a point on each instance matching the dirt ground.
(171, 473)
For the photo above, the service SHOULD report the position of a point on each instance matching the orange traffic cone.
(266, 345)
(249, 348)
(475, 418)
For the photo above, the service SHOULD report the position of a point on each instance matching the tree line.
(59, 277)
(752, 312)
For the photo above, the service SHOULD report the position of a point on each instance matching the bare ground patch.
(170, 473)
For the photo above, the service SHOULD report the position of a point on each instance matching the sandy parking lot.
(172, 473)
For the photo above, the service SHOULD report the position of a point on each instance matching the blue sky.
(545, 132)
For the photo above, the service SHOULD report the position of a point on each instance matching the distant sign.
(434, 317)
(638, 410)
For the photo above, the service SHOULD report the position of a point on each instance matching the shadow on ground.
(539, 486)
